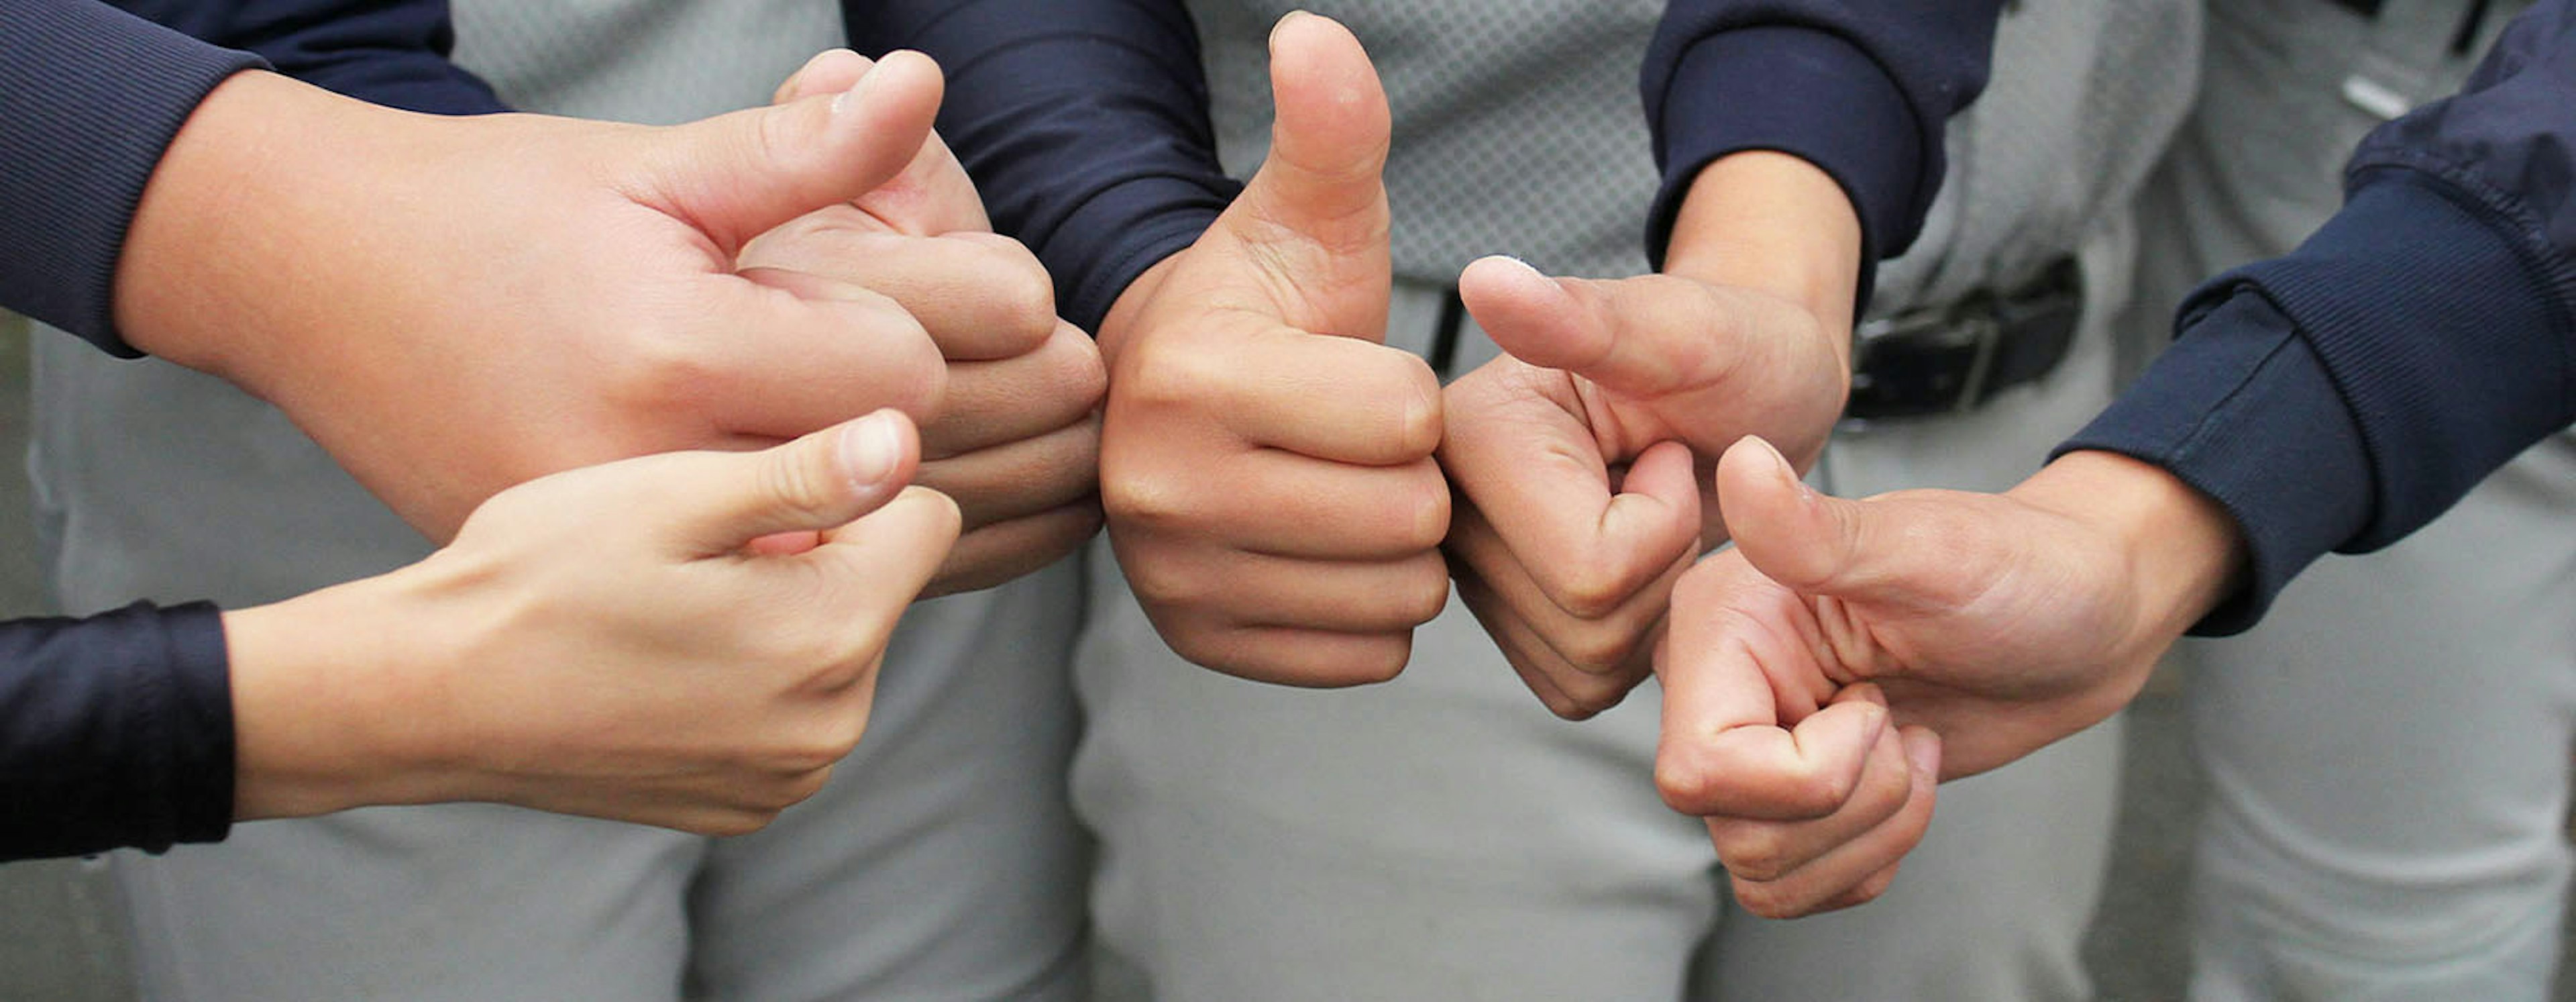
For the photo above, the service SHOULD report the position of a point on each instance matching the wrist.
(332, 707)
(2182, 550)
(1776, 224)
(1118, 325)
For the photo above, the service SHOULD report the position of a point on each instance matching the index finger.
(1723, 749)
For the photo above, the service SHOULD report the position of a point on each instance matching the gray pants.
(2388, 752)
(1443, 836)
(941, 862)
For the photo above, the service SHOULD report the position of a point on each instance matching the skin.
(1822, 676)
(574, 650)
(455, 306)
(583, 304)
(1266, 461)
(1573, 453)
(1016, 439)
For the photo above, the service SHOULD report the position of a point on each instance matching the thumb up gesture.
(1266, 461)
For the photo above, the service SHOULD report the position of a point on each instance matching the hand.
(453, 305)
(1578, 454)
(598, 642)
(1265, 460)
(1016, 440)
(1818, 677)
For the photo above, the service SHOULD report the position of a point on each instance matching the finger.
(980, 296)
(1313, 659)
(1615, 641)
(1770, 850)
(797, 352)
(1335, 399)
(1647, 336)
(882, 562)
(1056, 387)
(1545, 489)
(1235, 589)
(1571, 692)
(818, 482)
(1018, 478)
(831, 71)
(1287, 505)
(1318, 202)
(1859, 870)
(736, 176)
(1723, 749)
(1003, 551)
(1803, 539)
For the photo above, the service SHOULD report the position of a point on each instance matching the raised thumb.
(737, 176)
(1805, 540)
(816, 483)
(1318, 203)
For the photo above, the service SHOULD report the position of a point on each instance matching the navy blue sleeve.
(2424, 336)
(1861, 89)
(389, 52)
(86, 123)
(116, 730)
(1084, 123)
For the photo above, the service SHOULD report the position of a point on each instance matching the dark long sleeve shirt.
(117, 730)
(2344, 395)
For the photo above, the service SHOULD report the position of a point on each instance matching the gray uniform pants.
(1443, 836)
(941, 862)
(2388, 752)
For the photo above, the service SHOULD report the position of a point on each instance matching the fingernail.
(858, 91)
(870, 449)
(1283, 22)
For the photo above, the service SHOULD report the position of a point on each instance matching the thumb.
(736, 176)
(819, 482)
(1807, 541)
(1319, 199)
(1645, 336)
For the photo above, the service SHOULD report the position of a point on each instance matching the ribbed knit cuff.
(93, 96)
(1804, 92)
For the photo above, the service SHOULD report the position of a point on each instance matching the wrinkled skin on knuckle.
(1753, 852)
(1150, 501)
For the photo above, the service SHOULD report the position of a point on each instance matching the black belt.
(1947, 359)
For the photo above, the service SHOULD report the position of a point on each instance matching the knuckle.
(1769, 900)
(1598, 649)
(1753, 852)
(658, 372)
(1153, 501)
(1157, 584)
(1163, 378)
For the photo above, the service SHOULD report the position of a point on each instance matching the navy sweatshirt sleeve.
(1084, 123)
(2344, 395)
(1861, 89)
(389, 53)
(116, 730)
(90, 98)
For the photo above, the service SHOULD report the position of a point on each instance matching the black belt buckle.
(1949, 359)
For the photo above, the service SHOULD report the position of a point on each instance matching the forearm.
(117, 731)
(330, 704)
(1084, 123)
